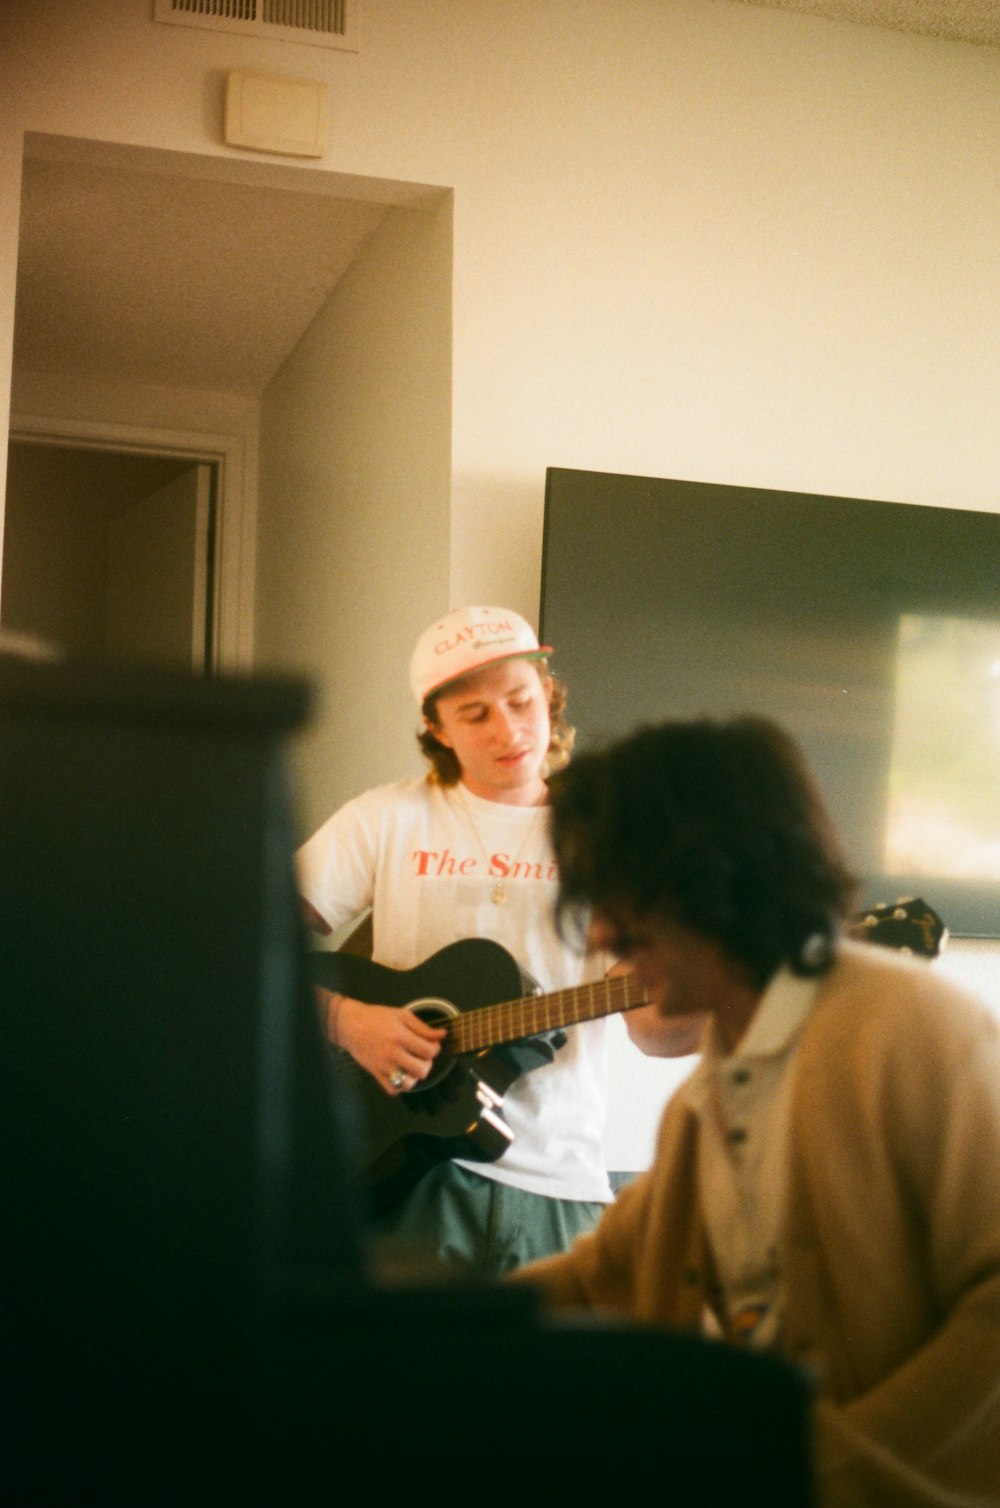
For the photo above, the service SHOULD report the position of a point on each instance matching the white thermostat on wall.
(273, 112)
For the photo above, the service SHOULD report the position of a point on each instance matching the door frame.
(234, 457)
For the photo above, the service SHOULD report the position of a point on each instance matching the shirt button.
(741, 1075)
(736, 1135)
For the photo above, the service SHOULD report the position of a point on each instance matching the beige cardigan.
(891, 1237)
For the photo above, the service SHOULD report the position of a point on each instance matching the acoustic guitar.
(475, 990)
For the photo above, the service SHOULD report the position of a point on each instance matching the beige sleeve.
(600, 1269)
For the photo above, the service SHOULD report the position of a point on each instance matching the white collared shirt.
(742, 1101)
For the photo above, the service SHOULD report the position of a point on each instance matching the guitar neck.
(511, 1020)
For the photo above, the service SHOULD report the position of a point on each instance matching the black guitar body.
(456, 1111)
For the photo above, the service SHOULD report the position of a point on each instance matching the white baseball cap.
(465, 640)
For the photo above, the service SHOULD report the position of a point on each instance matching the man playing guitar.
(465, 852)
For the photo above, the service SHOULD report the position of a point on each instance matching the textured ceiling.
(164, 279)
(957, 20)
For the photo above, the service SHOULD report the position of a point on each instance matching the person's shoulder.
(868, 966)
(390, 796)
(879, 992)
(371, 809)
(412, 788)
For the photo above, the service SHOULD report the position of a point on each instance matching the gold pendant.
(499, 895)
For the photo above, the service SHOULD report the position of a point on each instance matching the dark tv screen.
(870, 630)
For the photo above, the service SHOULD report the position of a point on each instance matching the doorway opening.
(124, 339)
(112, 552)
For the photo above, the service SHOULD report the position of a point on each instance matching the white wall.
(55, 568)
(221, 427)
(88, 401)
(692, 239)
(60, 506)
(353, 538)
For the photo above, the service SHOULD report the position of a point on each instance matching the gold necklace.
(498, 895)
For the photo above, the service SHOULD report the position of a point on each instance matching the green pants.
(459, 1222)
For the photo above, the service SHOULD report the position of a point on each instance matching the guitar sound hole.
(436, 1012)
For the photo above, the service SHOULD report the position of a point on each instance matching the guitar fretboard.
(512, 1019)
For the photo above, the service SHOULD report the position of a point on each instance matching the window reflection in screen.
(944, 778)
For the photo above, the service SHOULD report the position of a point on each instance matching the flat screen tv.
(870, 630)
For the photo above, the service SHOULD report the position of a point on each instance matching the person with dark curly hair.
(465, 852)
(827, 1183)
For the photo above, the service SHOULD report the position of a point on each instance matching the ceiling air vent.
(324, 23)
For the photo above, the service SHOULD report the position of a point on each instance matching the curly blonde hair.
(444, 765)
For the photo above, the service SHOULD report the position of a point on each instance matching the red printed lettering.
(523, 870)
(502, 867)
(435, 865)
(485, 631)
(423, 859)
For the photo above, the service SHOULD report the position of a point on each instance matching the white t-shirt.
(429, 860)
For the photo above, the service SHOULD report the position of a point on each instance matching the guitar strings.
(511, 1020)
